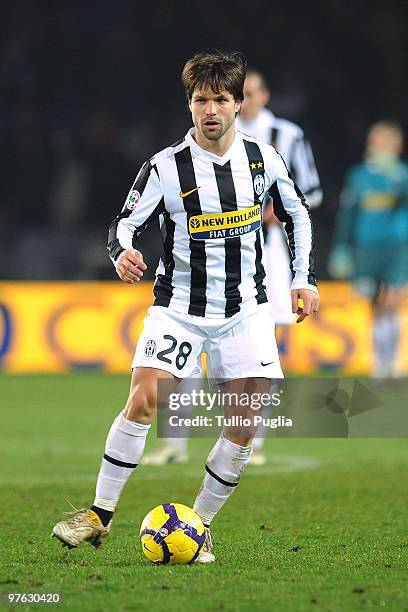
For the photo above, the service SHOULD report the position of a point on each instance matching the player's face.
(384, 139)
(213, 113)
(255, 97)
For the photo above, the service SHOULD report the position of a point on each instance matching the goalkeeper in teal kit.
(371, 237)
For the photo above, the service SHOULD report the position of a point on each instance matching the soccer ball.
(172, 533)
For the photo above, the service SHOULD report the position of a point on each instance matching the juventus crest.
(259, 184)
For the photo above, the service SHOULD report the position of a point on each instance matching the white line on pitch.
(278, 464)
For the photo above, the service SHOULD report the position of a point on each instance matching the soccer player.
(256, 120)
(289, 140)
(209, 290)
(371, 237)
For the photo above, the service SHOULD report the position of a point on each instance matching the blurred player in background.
(371, 237)
(288, 138)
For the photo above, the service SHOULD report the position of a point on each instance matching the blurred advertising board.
(57, 327)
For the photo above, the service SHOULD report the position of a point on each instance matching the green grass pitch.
(321, 527)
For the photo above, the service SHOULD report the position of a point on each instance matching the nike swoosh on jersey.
(266, 364)
(187, 193)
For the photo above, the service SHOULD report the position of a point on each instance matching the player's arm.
(291, 209)
(304, 171)
(143, 203)
(269, 216)
(340, 263)
(305, 175)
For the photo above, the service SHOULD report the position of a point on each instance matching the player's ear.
(266, 97)
(237, 106)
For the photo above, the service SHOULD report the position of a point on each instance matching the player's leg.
(242, 349)
(126, 439)
(232, 451)
(386, 332)
(166, 350)
(386, 309)
(380, 274)
(259, 457)
(278, 282)
(173, 448)
(123, 452)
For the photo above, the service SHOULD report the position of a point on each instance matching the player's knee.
(142, 404)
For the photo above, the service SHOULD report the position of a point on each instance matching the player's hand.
(130, 266)
(268, 216)
(340, 264)
(310, 303)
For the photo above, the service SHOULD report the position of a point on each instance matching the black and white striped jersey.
(289, 140)
(210, 208)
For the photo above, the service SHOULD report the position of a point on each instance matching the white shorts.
(241, 346)
(278, 276)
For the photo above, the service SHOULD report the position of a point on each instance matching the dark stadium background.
(89, 90)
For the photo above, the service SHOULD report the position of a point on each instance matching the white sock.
(259, 439)
(393, 334)
(225, 465)
(386, 333)
(179, 443)
(123, 451)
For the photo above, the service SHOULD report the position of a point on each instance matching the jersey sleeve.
(304, 171)
(143, 203)
(346, 215)
(291, 209)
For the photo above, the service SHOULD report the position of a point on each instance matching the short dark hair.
(220, 70)
(262, 80)
(389, 124)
